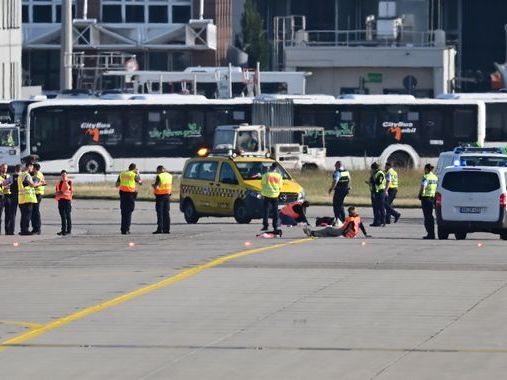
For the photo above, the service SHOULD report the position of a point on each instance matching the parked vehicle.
(301, 148)
(229, 186)
(472, 199)
(471, 156)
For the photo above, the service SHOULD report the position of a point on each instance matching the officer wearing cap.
(379, 186)
(427, 193)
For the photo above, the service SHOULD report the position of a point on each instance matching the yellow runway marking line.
(28, 325)
(57, 323)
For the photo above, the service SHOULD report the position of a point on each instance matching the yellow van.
(229, 186)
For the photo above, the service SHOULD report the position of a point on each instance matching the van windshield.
(255, 169)
(471, 182)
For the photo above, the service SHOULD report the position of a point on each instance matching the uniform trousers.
(11, 209)
(390, 211)
(2, 208)
(36, 219)
(162, 207)
(338, 200)
(65, 209)
(379, 208)
(26, 217)
(270, 206)
(127, 206)
(427, 205)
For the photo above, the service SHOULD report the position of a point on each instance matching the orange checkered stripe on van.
(211, 191)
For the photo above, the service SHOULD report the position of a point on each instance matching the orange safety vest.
(352, 232)
(288, 210)
(64, 190)
(165, 185)
(128, 181)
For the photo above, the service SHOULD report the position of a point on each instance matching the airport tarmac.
(212, 301)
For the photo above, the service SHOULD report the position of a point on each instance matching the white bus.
(97, 135)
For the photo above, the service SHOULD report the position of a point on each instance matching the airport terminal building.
(10, 49)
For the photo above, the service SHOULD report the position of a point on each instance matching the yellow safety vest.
(40, 189)
(128, 181)
(431, 185)
(382, 185)
(272, 183)
(26, 194)
(5, 190)
(165, 185)
(394, 178)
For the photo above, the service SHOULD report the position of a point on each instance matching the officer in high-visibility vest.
(26, 198)
(63, 195)
(379, 187)
(427, 193)
(38, 179)
(3, 195)
(341, 187)
(390, 193)
(271, 183)
(127, 183)
(11, 200)
(162, 189)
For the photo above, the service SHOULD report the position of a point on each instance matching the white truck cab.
(10, 153)
(472, 199)
(298, 148)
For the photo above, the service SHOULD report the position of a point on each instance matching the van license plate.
(470, 210)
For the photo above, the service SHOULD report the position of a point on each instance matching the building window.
(25, 14)
(144, 11)
(181, 14)
(42, 14)
(158, 14)
(111, 13)
(134, 13)
(43, 11)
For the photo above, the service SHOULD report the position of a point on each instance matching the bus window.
(133, 130)
(433, 125)
(110, 125)
(344, 124)
(464, 127)
(50, 136)
(368, 124)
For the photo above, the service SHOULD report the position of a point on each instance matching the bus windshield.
(255, 169)
(8, 137)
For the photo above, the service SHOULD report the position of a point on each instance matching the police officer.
(390, 193)
(3, 195)
(126, 182)
(38, 179)
(162, 189)
(379, 187)
(427, 193)
(11, 200)
(271, 183)
(26, 198)
(341, 187)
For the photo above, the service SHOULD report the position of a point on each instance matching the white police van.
(471, 156)
(471, 199)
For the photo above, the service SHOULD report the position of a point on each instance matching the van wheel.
(442, 234)
(460, 235)
(503, 235)
(400, 159)
(92, 163)
(191, 216)
(241, 213)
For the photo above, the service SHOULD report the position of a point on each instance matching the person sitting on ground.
(293, 213)
(349, 229)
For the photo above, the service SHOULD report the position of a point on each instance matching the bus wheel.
(92, 163)
(241, 213)
(400, 159)
(189, 212)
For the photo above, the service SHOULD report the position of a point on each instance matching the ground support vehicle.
(229, 186)
(9, 145)
(297, 148)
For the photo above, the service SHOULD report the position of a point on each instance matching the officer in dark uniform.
(379, 186)
(341, 187)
